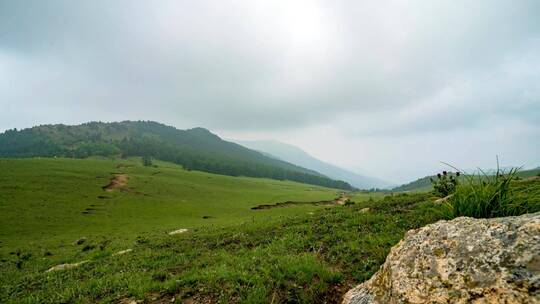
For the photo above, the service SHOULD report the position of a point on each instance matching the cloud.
(375, 71)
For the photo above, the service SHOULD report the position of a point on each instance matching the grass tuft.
(487, 196)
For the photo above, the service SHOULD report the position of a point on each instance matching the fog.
(384, 88)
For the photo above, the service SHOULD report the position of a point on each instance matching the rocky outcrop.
(465, 260)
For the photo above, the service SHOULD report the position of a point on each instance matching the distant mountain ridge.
(297, 156)
(194, 149)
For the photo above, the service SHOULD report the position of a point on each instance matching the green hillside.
(53, 201)
(194, 149)
(68, 211)
(301, 253)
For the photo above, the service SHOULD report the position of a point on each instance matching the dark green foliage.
(194, 149)
(445, 183)
(88, 247)
(21, 258)
(486, 196)
(147, 161)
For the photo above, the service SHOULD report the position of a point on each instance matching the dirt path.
(341, 200)
(119, 181)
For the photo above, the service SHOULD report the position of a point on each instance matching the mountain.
(194, 149)
(423, 183)
(295, 155)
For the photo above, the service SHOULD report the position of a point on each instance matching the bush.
(445, 184)
(485, 196)
(147, 161)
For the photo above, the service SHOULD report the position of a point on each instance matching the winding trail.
(119, 181)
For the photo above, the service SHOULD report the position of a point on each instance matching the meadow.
(294, 254)
(50, 202)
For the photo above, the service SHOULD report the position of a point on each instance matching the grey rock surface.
(464, 260)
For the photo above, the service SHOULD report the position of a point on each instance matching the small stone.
(121, 252)
(179, 231)
(364, 210)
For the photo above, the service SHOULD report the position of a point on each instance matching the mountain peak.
(199, 130)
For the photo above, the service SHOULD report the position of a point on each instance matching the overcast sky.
(386, 88)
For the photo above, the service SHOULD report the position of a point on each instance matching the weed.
(445, 183)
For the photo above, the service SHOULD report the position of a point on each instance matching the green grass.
(297, 254)
(42, 200)
(487, 196)
(304, 258)
(424, 184)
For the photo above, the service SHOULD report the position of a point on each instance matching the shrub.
(485, 196)
(445, 184)
(147, 161)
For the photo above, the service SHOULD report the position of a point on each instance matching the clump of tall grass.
(485, 196)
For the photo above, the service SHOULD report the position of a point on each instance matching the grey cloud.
(371, 68)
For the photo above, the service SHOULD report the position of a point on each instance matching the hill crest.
(194, 149)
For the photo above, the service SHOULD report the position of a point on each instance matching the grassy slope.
(293, 257)
(42, 200)
(306, 258)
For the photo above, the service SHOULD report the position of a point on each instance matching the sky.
(385, 88)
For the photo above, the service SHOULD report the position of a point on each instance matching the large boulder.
(464, 260)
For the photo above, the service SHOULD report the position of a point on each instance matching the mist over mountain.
(297, 156)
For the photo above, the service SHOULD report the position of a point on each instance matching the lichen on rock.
(464, 260)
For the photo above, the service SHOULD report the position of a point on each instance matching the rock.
(66, 266)
(465, 260)
(443, 199)
(80, 241)
(364, 210)
(121, 252)
(178, 231)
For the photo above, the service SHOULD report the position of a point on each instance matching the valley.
(269, 152)
(130, 227)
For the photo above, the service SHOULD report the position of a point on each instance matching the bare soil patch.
(341, 200)
(119, 181)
